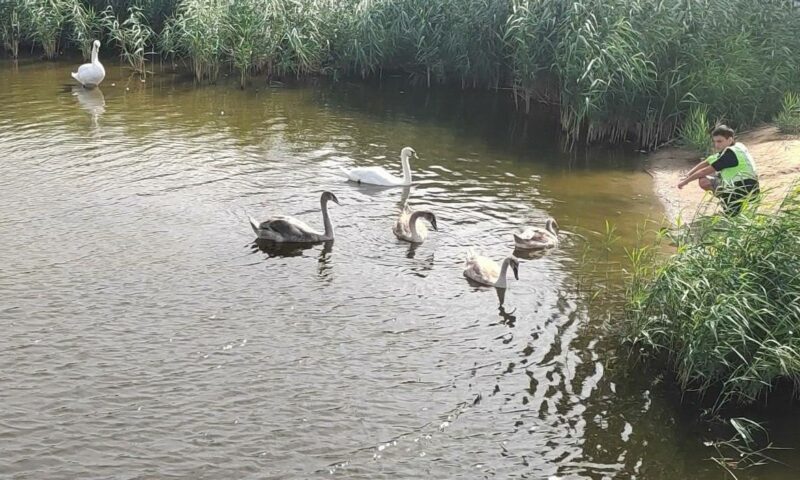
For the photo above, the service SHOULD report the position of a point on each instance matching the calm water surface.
(147, 336)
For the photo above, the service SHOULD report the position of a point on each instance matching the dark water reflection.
(146, 331)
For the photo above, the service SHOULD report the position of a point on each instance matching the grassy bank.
(617, 69)
(723, 312)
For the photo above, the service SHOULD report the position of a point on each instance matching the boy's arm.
(700, 172)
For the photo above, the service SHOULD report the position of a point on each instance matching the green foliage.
(695, 132)
(11, 17)
(788, 119)
(132, 35)
(197, 32)
(45, 19)
(724, 311)
(87, 26)
(616, 69)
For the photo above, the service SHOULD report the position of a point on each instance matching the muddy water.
(146, 335)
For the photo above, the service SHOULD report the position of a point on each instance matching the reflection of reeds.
(724, 311)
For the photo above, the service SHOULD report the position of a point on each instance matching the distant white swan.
(408, 228)
(536, 238)
(380, 176)
(286, 229)
(91, 74)
(487, 272)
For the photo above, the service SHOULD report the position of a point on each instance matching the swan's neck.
(412, 224)
(406, 170)
(326, 220)
(501, 281)
(94, 54)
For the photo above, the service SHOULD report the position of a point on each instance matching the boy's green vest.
(744, 170)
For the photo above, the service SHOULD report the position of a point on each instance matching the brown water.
(147, 336)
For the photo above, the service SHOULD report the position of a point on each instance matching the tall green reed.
(45, 19)
(87, 26)
(11, 18)
(788, 119)
(133, 37)
(723, 312)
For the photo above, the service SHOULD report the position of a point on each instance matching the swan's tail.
(76, 77)
(345, 173)
(254, 224)
(519, 240)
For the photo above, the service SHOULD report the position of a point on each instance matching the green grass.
(695, 132)
(723, 312)
(788, 119)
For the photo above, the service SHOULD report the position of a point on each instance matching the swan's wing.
(535, 238)
(89, 74)
(533, 233)
(373, 175)
(287, 228)
(401, 227)
(482, 269)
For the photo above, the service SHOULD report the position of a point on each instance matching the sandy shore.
(777, 159)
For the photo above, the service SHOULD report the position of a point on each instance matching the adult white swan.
(91, 74)
(408, 228)
(484, 270)
(380, 176)
(286, 229)
(537, 238)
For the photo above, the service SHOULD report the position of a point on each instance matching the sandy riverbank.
(777, 159)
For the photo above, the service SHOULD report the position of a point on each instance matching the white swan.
(536, 238)
(91, 74)
(380, 176)
(291, 230)
(408, 228)
(486, 271)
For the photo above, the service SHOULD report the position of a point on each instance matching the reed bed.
(723, 312)
(618, 70)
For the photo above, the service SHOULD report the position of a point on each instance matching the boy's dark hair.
(722, 131)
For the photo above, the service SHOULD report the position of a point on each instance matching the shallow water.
(146, 335)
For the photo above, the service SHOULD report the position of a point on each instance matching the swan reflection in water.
(279, 249)
(283, 249)
(91, 100)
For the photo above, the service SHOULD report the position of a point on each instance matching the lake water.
(146, 335)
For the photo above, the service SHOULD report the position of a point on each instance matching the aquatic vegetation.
(723, 312)
(788, 119)
(87, 26)
(44, 20)
(11, 12)
(133, 37)
(616, 70)
(197, 33)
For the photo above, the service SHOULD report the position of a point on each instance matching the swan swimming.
(536, 238)
(381, 176)
(408, 228)
(485, 271)
(91, 74)
(289, 229)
